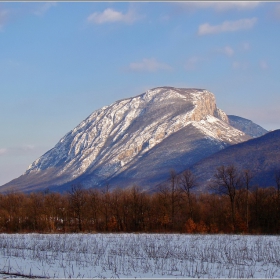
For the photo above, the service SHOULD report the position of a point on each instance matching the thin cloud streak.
(277, 12)
(149, 65)
(20, 150)
(42, 9)
(221, 6)
(3, 17)
(110, 15)
(227, 26)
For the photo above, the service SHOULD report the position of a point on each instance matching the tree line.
(231, 205)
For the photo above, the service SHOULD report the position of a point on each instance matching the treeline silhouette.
(231, 205)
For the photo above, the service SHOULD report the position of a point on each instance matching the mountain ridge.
(134, 133)
(260, 155)
(246, 126)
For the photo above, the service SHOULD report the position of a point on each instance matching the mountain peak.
(203, 100)
(135, 140)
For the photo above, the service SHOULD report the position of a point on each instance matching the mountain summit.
(136, 140)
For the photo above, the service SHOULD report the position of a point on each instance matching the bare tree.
(248, 176)
(52, 204)
(138, 207)
(173, 194)
(106, 204)
(93, 209)
(77, 200)
(277, 180)
(227, 181)
(169, 196)
(187, 184)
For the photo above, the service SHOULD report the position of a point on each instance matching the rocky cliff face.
(135, 140)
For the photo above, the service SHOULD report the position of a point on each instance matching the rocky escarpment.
(129, 140)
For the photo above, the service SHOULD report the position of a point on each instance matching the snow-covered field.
(140, 255)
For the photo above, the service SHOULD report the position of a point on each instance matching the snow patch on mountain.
(247, 126)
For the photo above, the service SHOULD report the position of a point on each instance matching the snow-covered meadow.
(140, 256)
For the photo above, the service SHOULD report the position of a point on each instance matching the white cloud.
(263, 64)
(110, 15)
(221, 6)
(226, 26)
(277, 11)
(149, 64)
(3, 17)
(43, 8)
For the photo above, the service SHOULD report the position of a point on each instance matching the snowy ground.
(140, 256)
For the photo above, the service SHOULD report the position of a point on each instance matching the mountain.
(259, 155)
(247, 126)
(136, 140)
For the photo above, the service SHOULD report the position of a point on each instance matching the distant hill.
(260, 155)
(247, 126)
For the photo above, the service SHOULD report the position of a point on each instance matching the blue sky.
(60, 61)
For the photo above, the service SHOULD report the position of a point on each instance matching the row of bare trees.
(232, 205)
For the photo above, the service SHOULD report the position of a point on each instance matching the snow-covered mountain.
(247, 126)
(260, 155)
(134, 141)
